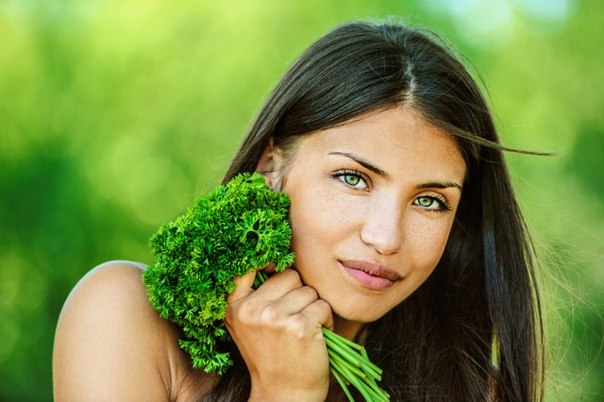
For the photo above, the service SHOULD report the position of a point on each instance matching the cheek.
(320, 222)
(311, 218)
(428, 244)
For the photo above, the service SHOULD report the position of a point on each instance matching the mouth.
(370, 275)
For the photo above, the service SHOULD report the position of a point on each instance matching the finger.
(279, 285)
(270, 268)
(244, 287)
(296, 300)
(319, 312)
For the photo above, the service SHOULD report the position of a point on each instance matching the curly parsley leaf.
(238, 227)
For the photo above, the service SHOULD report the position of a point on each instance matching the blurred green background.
(115, 115)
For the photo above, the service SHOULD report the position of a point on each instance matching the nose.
(383, 228)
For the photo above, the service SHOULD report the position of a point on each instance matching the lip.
(371, 275)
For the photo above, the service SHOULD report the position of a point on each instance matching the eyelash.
(444, 206)
(341, 174)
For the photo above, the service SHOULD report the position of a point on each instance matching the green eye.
(425, 202)
(432, 203)
(351, 180)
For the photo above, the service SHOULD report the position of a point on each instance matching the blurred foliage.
(114, 115)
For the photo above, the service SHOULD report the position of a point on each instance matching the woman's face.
(372, 205)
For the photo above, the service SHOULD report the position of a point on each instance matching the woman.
(407, 236)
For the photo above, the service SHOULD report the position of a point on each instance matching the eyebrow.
(362, 162)
(381, 173)
(438, 184)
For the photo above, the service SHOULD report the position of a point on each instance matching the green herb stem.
(343, 385)
(338, 339)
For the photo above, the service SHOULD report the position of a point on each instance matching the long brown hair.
(473, 330)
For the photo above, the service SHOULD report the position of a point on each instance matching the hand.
(277, 329)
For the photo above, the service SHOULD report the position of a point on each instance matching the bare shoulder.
(110, 344)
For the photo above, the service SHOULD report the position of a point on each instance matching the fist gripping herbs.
(233, 230)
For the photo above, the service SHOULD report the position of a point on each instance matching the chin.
(358, 314)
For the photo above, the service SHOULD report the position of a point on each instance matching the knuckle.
(270, 314)
(298, 326)
(311, 292)
(323, 305)
(242, 313)
(292, 275)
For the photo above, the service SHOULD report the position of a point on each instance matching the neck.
(346, 328)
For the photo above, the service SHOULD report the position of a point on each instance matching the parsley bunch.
(228, 233)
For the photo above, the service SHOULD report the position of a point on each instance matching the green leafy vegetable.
(235, 229)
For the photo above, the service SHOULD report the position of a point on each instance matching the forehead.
(396, 138)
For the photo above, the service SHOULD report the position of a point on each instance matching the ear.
(269, 165)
